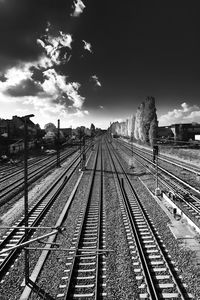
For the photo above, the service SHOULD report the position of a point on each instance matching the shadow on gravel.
(138, 174)
(111, 172)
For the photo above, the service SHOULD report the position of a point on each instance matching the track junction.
(98, 233)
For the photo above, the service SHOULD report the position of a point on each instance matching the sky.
(95, 61)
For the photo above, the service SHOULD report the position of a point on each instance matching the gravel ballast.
(120, 283)
(120, 278)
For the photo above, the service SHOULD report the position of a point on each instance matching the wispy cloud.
(87, 46)
(184, 114)
(78, 7)
(95, 79)
(48, 27)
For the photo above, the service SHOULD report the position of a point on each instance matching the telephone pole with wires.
(26, 252)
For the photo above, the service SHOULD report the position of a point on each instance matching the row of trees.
(51, 132)
(143, 126)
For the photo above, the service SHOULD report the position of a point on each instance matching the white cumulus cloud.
(184, 114)
(53, 47)
(56, 85)
(56, 95)
(39, 85)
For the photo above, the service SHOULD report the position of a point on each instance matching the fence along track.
(86, 266)
(157, 277)
(15, 236)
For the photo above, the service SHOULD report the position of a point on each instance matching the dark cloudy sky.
(95, 61)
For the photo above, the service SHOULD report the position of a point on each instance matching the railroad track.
(188, 174)
(5, 170)
(181, 164)
(37, 212)
(16, 186)
(154, 271)
(181, 191)
(9, 172)
(190, 188)
(85, 272)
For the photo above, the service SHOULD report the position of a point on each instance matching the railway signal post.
(155, 160)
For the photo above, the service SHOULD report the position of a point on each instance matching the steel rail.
(49, 247)
(16, 186)
(75, 252)
(36, 215)
(184, 165)
(153, 288)
(167, 172)
(98, 289)
(20, 170)
(190, 201)
(87, 255)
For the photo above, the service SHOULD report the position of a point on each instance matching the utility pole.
(26, 254)
(58, 145)
(8, 138)
(156, 172)
(83, 159)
